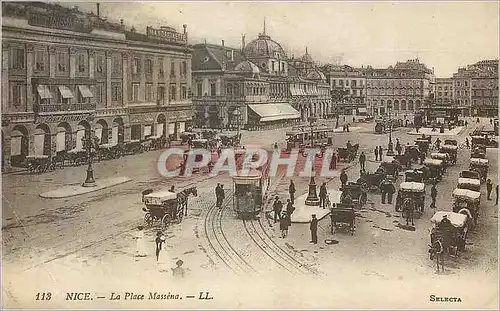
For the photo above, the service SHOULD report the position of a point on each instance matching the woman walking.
(141, 250)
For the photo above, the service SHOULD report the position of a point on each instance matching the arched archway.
(396, 105)
(42, 143)
(63, 137)
(19, 145)
(410, 105)
(102, 131)
(82, 131)
(117, 131)
(403, 105)
(417, 105)
(161, 125)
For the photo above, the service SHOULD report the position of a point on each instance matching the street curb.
(438, 134)
(74, 190)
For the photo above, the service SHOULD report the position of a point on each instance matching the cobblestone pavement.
(76, 242)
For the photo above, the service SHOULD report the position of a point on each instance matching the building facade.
(254, 87)
(405, 88)
(444, 91)
(347, 87)
(66, 73)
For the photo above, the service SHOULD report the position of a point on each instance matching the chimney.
(222, 42)
(242, 42)
(98, 5)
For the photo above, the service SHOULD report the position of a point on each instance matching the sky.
(444, 35)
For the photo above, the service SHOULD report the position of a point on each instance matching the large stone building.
(255, 86)
(66, 73)
(476, 88)
(444, 91)
(405, 88)
(348, 88)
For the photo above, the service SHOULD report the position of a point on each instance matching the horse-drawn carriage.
(450, 147)
(468, 200)
(372, 181)
(187, 136)
(200, 143)
(412, 152)
(469, 184)
(77, 156)
(354, 193)
(480, 166)
(434, 170)
(415, 175)
(484, 140)
(347, 154)
(132, 147)
(165, 206)
(445, 157)
(229, 140)
(410, 199)
(478, 151)
(448, 234)
(39, 163)
(423, 144)
(392, 168)
(342, 214)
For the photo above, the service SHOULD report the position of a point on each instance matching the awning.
(273, 112)
(65, 92)
(84, 90)
(44, 91)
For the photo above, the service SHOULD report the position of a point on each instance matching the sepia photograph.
(250, 155)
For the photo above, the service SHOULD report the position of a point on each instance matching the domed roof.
(247, 66)
(306, 58)
(264, 46)
(316, 75)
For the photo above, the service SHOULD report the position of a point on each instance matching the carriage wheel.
(165, 221)
(148, 220)
(51, 167)
(39, 169)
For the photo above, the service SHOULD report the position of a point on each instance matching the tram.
(250, 191)
(301, 137)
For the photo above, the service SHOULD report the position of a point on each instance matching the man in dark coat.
(390, 190)
(362, 160)
(289, 211)
(284, 224)
(314, 229)
(277, 209)
(380, 152)
(376, 153)
(291, 191)
(343, 178)
(489, 188)
(322, 195)
(433, 196)
(496, 190)
(398, 146)
(333, 162)
(383, 191)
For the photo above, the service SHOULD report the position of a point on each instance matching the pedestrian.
(496, 190)
(276, 146)
(333, 162)
(289, 210)
(433, 195)
(217, 195)
(491, 121)
(314, 229)
(438, 143)
(222, 195)
(343, 178)
(172, 189)
(376, 153)
(422, 157)
(284, 224)
(141, 250)
(291, 191)
(354, 119)
(466, 123)
(467, 143)
(277, 209)
(398, 146)
(489, 188)
(322, 195)
(219, 151)
(160, 239)
(383, 192)
(477, 120)
(380, 153)
(390, 190)
(362, 159)
(179, 270)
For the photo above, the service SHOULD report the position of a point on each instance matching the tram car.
(250, 190)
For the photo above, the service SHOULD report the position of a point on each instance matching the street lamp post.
(237, 115)
(312, 197)
(88, 143)
(390, 151)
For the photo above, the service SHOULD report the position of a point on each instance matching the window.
(466, 93)
(81, 62)
(212, 89)
(17, 94)
(466, 83)
(161, 71)
(445, 93)
(346, 82)
(184, 94)
(136, 64)
(272, 66)
(135, 92)
(116, 64)
(361, 83)
(99, 92)
(199, 89)
(229, 89)
(40, 56)
(161, 93)
(184, 68)
(172, 92)
(99, 63)
(341, 83)
(172, 69)
(148, 66)
(353, 83)
(115, 92)
(334, 82)
(149, 92)
(445, 88)
(18, 58)
(62, 61)
(458, 83)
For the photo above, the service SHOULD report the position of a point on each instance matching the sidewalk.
(77, 189)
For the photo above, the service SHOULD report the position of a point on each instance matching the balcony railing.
(65, 107)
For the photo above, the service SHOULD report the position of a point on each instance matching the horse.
(183, 196)
(408, 210)
(437, 251)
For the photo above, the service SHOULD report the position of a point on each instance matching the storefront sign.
(62, 118)
(166, 35)
(143, 118)
(59, 21)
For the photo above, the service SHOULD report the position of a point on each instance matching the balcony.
(77, 107)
